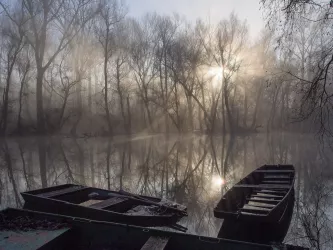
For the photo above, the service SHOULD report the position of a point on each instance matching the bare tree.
(44, 19)
(24, 68)
(225, 47)
(111, 13)
(14, 43)
(142, 47)
(297, 15)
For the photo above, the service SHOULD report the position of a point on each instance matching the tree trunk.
(108, 156)
(5, 106)
(39, 102)
(129, 127)
(245, 110)
(190, 112)
(120, 93)
(42, 160)
(90, 102)
(254, 120)
(223, 115)
(227, 107)
(106, 100)
(19, 117)
(8, 161)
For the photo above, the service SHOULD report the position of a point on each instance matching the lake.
(190, 169)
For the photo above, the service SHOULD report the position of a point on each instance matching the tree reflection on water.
(193, 170)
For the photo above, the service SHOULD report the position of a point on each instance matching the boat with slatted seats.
(100, 204)
(261, 196)
(259, 232)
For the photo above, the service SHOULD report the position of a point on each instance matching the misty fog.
(164, 106)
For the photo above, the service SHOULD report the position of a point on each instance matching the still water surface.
(192, 170)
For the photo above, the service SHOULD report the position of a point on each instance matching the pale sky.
(193, 9)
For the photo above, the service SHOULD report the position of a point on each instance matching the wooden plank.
(252, 214)
(254, 210)
(266, 197)
(266, 186)
(62, 191)
(276, 182)
(275, 202)
(277, 177)
(247, 206)
(266, 191)
(155, 243)
(260, 204)
(108, 203)
(274, 171)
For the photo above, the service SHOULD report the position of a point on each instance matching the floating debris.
(169, 203)
(143, 210)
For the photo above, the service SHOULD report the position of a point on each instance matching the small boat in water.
(262, 232)
(262, 196)
(66, 232)
(104, 205)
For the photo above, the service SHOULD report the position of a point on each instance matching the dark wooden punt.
(90, 234)
(262, 196)
(262, 232)
(104, 205)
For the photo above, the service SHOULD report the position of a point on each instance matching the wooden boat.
(262, 232)
(105, 205)
(90, 234)
(262, 196)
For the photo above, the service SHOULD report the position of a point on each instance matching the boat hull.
(90, 234)
(258, 197)
(69, 204)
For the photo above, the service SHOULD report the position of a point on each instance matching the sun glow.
(218, 181)
(216, 73)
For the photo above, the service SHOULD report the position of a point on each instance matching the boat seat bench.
(267, 197)
(108, 203)
(271, 192)
(274, 171)
(265, 186)
(253, 209)
(260, 204)
(275, 177)
(275, 182)
(263, 200)
(62, 191)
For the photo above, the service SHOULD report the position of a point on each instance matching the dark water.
(193, 170)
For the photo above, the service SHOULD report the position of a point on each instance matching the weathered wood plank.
(255, 210)
(155, 243)
(276, 182)
(260, 204)
(263, 200)
(248, 206)
(108, 203)
(277, 176)
(266, 186)
(62, 191)
(267, 197)
(266, 191)
(274, 171)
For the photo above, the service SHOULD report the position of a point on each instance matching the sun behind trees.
(84, 67)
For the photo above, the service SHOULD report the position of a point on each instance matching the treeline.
(86, 67)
